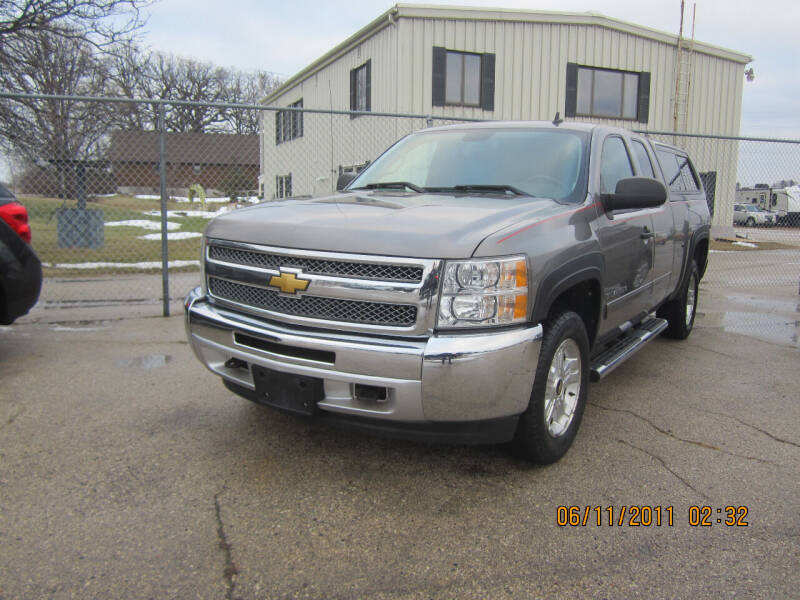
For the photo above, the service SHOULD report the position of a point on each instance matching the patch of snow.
(105, 195)
(210, 200)
(153, 225)
(179, 235)
(173, 214)
(746, 244)
(111, 265)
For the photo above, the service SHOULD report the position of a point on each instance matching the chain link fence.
(758, 249)
(98, 218)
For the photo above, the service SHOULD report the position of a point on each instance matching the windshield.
(536, 162)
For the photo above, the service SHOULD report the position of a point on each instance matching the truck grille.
(316, 307)
(316, 266)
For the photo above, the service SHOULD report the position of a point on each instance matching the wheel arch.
(698, 250)
(576, 286)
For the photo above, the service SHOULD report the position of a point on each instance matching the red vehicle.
(20, 268)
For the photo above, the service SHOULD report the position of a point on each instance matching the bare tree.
(138, 74)
(247, 88)
(99, 22)
(54, 129)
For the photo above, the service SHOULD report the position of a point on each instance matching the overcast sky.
(284, 36)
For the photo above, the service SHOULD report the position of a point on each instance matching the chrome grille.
(317, 266)
(317, 307)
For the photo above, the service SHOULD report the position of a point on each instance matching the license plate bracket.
(295, 393)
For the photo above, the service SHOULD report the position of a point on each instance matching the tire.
(681, 311)
(751, 222)
(541, 438)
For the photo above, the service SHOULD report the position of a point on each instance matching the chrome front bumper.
(444, 378)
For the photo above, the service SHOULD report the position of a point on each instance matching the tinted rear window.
(678, 171)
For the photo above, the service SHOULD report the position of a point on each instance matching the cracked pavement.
(128, 471)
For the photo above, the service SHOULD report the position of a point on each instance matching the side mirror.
(636, 192)
(344, 180)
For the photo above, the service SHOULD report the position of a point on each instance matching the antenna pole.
(678, 73)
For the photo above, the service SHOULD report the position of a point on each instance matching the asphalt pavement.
(128, 471)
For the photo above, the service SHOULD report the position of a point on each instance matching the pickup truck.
(465, 287)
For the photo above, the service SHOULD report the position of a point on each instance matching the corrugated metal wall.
(530, 83)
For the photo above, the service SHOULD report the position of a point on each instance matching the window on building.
(615, 164)
(361, 88)
(607, 93)
(283, 186)
(289, 123)
(463, 78)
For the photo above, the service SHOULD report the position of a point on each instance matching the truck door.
(663, 230)
(627, 243)
(685, 192)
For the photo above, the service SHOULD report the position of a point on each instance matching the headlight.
(480, 293)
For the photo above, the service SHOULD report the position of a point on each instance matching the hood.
(382, 223)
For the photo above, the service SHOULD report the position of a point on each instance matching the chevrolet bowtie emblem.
(288, 283)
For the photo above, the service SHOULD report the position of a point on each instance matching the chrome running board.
(626, 346)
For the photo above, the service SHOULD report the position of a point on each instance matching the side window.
(615, 164)
(690, 183)
(643, 159)
(672, 172)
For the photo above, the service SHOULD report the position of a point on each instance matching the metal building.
(497, 64)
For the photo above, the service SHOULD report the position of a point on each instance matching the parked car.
(20, 269)
(751, 215)
(466, 286)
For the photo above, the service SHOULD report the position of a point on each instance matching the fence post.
(162, 175)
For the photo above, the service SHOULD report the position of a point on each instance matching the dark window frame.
(289, 123)
(462, 92)
(283, 186)
(642, 93)
(486, 79)
(367, 68)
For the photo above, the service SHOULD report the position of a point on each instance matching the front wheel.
(680, 312)
(751, 222)
(549, 425)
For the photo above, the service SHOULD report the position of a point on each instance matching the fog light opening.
(235, 363)
(370, 393)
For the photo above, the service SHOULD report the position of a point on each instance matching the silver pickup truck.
(465, 287)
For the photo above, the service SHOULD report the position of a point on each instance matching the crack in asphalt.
(664, 464)
(230, 569)
(669, 434)
(717, 352)
(750, 426)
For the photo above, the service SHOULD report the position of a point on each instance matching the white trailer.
(784, 202)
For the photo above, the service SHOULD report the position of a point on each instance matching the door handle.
(646, 234)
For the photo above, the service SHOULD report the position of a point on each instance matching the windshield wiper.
(481, 188)
(389, 185)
